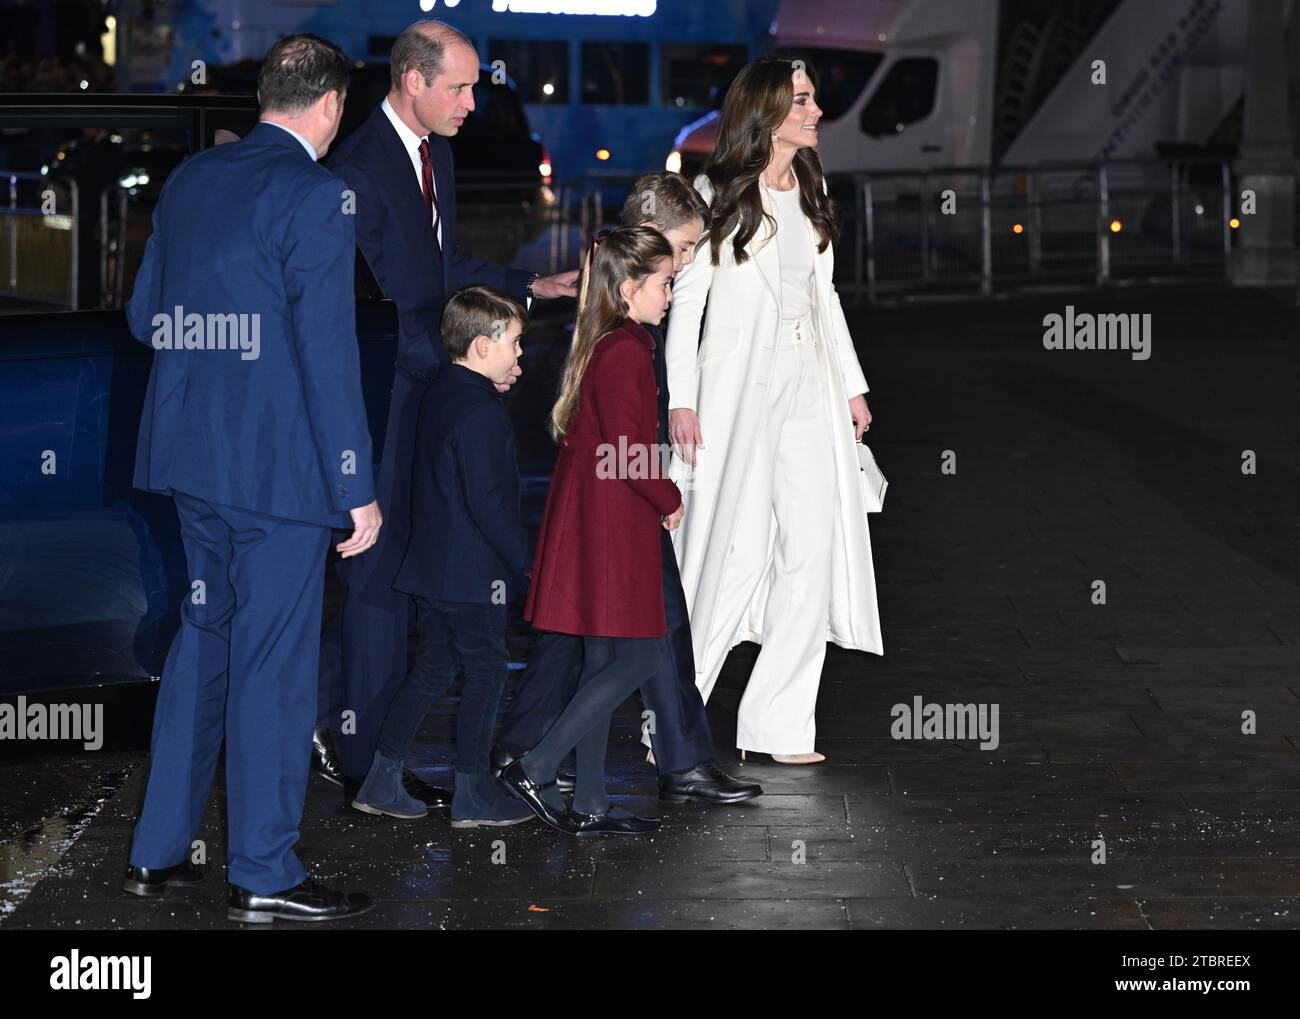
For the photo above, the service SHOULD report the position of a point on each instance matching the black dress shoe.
(612, 824)
(706, 783)
(430, 795)
(154, 881)
(311, 901)
(515, 779)
(502, 757)
(325, 759)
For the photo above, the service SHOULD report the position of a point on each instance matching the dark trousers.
(612, 668)
(363, 651)
(452, 636)
(243, 670)
(679, 724)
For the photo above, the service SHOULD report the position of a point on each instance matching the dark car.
(502, 168)
(92, 571)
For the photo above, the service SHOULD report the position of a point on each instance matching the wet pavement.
(1120, 724)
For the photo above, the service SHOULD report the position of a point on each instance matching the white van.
(903, 84)
(914, 84)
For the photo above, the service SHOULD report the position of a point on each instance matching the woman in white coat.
(765, 405)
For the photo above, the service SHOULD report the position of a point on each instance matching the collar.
(410, 140)
(464, 374)
(305, 143)
(637, 330)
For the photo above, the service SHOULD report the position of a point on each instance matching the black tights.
(612, 668)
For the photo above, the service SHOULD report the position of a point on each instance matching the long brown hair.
(756, 104)
(626, 252)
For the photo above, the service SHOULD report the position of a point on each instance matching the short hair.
(422, 51)
(664, 198)
(478, 310)
(298, 70)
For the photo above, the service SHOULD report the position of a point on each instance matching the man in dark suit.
(398, 166)
(254, 423)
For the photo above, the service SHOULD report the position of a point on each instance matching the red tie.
(426, 181)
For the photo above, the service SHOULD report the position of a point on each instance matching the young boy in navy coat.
(467, 554)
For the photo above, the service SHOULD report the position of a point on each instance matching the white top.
(411, 141)
(795, 247)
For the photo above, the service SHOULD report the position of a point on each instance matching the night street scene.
(570, 465)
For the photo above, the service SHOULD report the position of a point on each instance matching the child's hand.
(674, 518)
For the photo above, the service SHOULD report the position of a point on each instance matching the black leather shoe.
(311, 902)
(430, 795)
(325, 759)
(514, 779)
(612, 824)
(503, 757)
(706, 783)
(154, 881)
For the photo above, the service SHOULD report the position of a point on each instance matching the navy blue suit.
(467, 541)
(263, 455)
(396, 238)
(681, 737)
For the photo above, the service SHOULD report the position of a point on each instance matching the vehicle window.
(616, 73)
(840, 75)
(496, 108)
(697, 76)
(539, 70)
(905, 96)
(76, 201)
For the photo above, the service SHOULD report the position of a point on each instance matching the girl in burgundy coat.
(596, 571)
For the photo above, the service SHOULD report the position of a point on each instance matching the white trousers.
(791, 486)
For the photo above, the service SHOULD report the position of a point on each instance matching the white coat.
(723, 376)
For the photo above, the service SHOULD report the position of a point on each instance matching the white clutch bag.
(873, 482)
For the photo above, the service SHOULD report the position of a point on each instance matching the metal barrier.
(976, 230)
(964, 230)
(39, 249)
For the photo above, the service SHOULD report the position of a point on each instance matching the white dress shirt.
(411, 141)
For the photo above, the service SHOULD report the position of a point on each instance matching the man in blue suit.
(254, 423)
(398, 167)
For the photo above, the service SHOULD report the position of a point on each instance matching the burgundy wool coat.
(597, 569)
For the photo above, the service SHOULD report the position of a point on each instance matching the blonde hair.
(665, 199)
(627, 252)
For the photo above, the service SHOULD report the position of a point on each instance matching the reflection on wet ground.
(1162, 725)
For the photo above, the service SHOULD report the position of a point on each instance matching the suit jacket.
(466, 535)
(398, 242)
(253, 229)
(598, 569)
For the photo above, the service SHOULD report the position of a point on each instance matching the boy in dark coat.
(467, 555)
